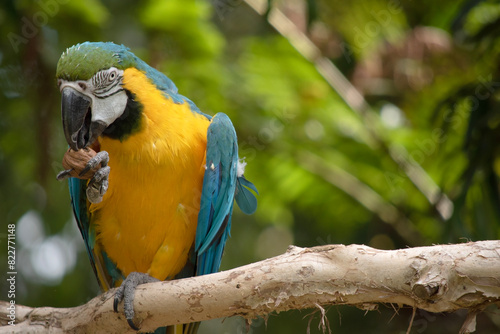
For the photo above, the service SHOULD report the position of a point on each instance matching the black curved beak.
(76, 111)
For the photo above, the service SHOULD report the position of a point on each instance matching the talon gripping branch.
(159, 203)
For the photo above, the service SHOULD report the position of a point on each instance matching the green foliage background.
(419, 167)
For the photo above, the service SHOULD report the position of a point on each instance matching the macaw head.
(90, 79)
(95, 100)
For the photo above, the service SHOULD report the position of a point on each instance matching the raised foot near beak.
(95, 168)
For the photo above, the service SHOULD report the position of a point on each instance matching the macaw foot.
(98, 184)
(126, 292)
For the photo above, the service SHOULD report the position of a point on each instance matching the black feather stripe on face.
(128, 123)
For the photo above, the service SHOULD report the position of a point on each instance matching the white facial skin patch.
(106, 92)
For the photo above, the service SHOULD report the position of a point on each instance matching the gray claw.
(126, 292)
(63, 174)
(101, 158)
(98, 185)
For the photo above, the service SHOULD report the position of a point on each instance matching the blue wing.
(78, 197)
(104, 269)
(220, 186)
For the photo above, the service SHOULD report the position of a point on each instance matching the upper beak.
(78, 127)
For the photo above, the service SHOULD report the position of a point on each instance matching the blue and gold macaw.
(159, 207)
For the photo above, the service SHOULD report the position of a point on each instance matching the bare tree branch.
(440, 278)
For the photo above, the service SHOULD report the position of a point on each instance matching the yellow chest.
(148, 217)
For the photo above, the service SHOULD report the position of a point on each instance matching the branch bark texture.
(440, 278)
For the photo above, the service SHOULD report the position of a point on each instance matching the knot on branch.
(426, 291)
(432, 272)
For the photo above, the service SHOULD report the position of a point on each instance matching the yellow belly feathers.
(147, 219)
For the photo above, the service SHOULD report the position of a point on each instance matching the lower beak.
(78, 127)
